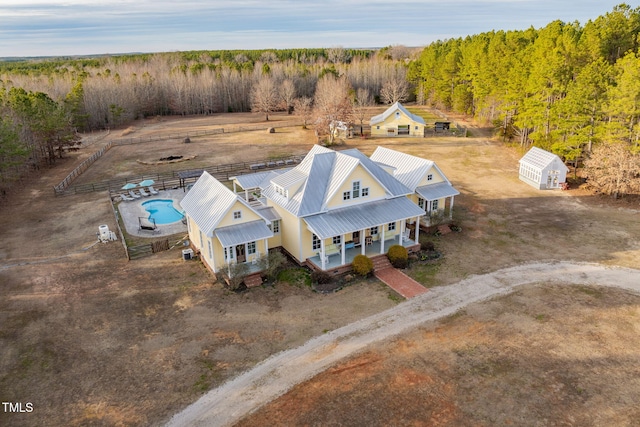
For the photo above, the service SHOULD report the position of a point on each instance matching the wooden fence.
(63, 186)
(167, 180)
(141, 251)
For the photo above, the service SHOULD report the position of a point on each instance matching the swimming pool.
(162, 211)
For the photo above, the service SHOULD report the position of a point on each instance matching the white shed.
(542, 170)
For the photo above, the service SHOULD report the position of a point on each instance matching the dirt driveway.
(91, 339)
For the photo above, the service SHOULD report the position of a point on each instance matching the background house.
(397, 121)
(542, 170)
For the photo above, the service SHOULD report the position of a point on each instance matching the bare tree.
(304, 108)
(394, 90)
(361, 105)
(338, 55)
(332, 105)
(287, 94)
(613, 169)
(264, 96)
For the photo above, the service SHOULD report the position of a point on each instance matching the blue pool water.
(162, 211)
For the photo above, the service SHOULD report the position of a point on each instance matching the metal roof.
(291, 177)
(409, 170)
(243, 233)
(354, 218)
(437, 191)
(397, 106)
(539, 158)
(390, 183)
(207, 202)
(253, 180)
(268, 213)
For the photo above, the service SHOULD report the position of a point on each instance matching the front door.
(240, 257)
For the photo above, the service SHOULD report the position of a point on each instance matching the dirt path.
(275, 376)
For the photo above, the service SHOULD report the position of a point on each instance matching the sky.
(88, 27)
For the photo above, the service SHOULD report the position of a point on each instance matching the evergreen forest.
(570, 88)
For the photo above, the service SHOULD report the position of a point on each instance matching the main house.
(397, 121)
(330, 207)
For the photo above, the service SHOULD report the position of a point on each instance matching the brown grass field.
(90, 338)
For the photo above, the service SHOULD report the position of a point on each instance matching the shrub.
(362, 265)
(238, 274)
(398, 256)
(427, 246)
(273, 264)
(321, 277)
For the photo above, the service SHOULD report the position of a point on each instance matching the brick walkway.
(397, 280)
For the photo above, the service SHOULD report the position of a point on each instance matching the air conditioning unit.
(187, 254)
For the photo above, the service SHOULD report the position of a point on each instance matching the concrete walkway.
(400, 282)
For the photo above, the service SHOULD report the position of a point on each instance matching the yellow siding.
(247, 215)
(276, 240)
(376, 191)
(289, 231)
(435, 179)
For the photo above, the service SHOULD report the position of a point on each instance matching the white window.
(391, 226)
(229, 254)
(337, 240)
(251, 248)
(315, 243)
(378, 127)
(356, 189)
(237, 214)
(373, 231)
(365, 191)
(201, 241)
(210, 250)
(346, 195)
(188, 225)
(421, 202)
(434, 205)
(430, 177)
(275, 226)
(416, 127)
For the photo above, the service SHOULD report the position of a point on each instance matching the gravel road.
(276, 375)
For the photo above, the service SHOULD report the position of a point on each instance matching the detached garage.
(542, 170)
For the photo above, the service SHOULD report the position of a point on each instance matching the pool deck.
(131, 211)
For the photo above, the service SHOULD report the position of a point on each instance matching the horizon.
(71, 28)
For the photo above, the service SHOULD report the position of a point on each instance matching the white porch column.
(451, 208)
(266, 250)
(342, 252)
(401, 235)
(229, 259)
(322, 253)
(363, 240)
(417, 230)
(382, 239)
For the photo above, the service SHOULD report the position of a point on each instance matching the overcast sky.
(80, 27)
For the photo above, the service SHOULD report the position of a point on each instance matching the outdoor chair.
(152, 190)
(126, 198)
(134, 194)
(144, 193)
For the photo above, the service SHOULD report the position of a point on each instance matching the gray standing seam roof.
(354, 218)
(392, 185)
(243, 233)
(437, 191)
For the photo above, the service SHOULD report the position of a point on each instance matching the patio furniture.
(134, 194)
(152, 190)
(368, 240)
(126, 198)
(144, 193)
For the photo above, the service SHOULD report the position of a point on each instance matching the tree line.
(45, 102)
(568, 88)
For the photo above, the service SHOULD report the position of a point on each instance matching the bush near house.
(398, 256)
(320, 277)
(362, 265)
